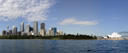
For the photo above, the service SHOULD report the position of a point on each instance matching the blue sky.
(98, 17)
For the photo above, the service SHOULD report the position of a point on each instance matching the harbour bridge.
(124, 33)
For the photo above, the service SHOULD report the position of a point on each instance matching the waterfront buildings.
(59, 32)
(42, 32)
(22, 27)
(31, 29)
(28, 30)
(114, 35)
(14, 30)
(31, 33)
(10, 32)
(42, 26)
(7, 32)
(3, 32)
(23, 33)
(19, 33)
(54, 30)
(42, 29)
(35, 27)
(50, 32)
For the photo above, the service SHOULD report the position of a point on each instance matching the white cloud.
(76, 22)
(29, 9)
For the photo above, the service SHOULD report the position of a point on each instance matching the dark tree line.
(68, 36)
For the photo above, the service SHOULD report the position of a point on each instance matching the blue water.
(63, 46)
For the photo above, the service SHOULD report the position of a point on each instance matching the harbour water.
(63, 46)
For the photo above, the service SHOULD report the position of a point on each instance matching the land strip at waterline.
(71, 37)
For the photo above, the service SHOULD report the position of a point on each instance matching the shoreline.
(63, 39)
(48, 39)
(112, 39)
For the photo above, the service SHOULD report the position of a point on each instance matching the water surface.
(63, 46)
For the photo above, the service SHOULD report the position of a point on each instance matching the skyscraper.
(19, 33)
(22, 27)
(54, 30)
(42, 29)
(7, 33)
(14, 30)
(35, 27)
(27, 28)
(10, 32)
(31, 29)
(3, 33)
(42, 26)
(59, 32)
(50, 32)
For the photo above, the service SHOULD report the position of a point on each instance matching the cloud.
(31, 10)
(74, 21)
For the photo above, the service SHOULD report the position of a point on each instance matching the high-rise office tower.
(35, 27)
(42, 26)
(50, 32)
(14, 30)
(31, 29)
(7, 33)
(42, 29)
(27, 28)
(19, 33)
(54, 30)
(59, 32)
(10, 32)
(3, 33)
(22, 27)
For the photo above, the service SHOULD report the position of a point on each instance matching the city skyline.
(28, 30)
(100, 17)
